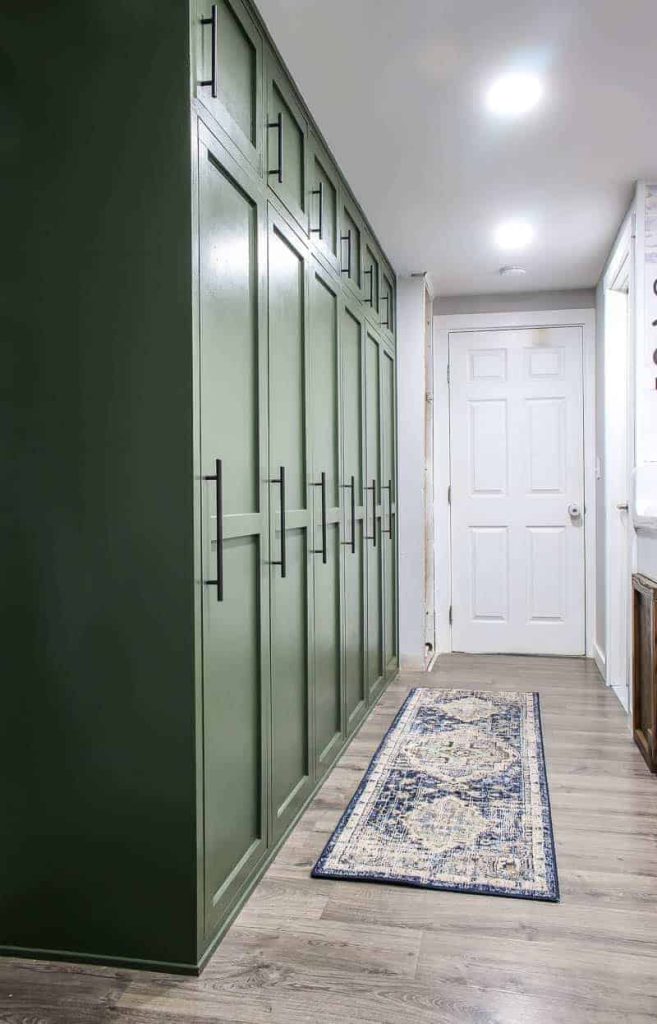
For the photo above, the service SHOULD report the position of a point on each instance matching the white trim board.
(443, 326)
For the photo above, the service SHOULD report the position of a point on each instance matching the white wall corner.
(600, 660)
(410, 406)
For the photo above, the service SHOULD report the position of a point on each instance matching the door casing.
(443, 326)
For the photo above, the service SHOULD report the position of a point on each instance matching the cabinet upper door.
(287, 133)
(350, 252)
(387, 302)
(229, 72)
(323, 202)
(371, 280)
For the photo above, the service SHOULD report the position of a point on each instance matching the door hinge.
(450, 615)
(449, 495)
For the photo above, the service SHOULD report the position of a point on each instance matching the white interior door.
(517, 479)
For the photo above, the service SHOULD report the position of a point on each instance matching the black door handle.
(278, 125)
(388, 487)
(212, 20)
(351, 486)
(280, 479)
(386, 322)
(346, 238)
(319, 191)
(219, 511)
(373, 490)
(323, 550)
(370, 271)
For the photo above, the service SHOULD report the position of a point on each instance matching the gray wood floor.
(316, 951)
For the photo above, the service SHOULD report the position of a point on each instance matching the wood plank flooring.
(305, 950)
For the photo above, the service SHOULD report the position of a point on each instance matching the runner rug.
(455, 798)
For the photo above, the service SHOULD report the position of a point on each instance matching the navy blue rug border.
(320, 871)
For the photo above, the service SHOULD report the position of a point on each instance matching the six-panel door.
(291, 526)
(326, 501)
(234, 531)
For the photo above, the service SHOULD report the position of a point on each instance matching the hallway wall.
(515, 302)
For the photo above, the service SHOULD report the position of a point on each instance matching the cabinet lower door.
(373, 453)
(290, 527)
(353, 425)
(326, 500)
(389, 513)
(234, 535)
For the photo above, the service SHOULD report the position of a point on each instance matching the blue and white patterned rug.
(455, 798)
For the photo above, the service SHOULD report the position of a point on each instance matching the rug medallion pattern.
(455, 798)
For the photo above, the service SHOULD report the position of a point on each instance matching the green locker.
(353, 489)
(323, 203)
(351, 248)
(326, 550)
(373, 536)
(291, 526)
(389, 512)
(287, 133)
(371, 281)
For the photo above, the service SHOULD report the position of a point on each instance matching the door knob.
(623, 506)
(574, 511)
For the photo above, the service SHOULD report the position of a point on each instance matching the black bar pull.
(323, 550)
(388, 487)
(346, 238)
(370, 271)
(219, 510)
(351, 486)
(373, 490)
(386, 322)
(212, 20)
(319, 191)
(280, 479)
(278, 125)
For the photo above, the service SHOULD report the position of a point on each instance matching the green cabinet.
(323, 203)
(228, 71)
(287, 133)
(234, 530)
(353, 511)
(374, 544)
(324, 421)
(291, 526)
(208, 607)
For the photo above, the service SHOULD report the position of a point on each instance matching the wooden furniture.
(644, 698)
(199, 527)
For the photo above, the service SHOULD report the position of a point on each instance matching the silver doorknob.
(574, 511)
(623, 506)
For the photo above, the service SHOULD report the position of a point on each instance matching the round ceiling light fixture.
(514, 234)
(511, 271)
(513, 94)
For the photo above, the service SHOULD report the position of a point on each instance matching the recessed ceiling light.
(514, 93)
(514, 234)
(512, 271)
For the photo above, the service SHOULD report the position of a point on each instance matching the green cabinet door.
(326, 500)
(387, 304)
(389, 512)
(235, 614)
(353, 512)
(371, 281)
(290, 526)
(350, 252)
(374, 572)
(323, 203)
(286, 144)
(228, 52)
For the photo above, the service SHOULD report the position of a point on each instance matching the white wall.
(515, 302)
(410, 405)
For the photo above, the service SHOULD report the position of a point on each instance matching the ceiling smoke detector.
(511, 271)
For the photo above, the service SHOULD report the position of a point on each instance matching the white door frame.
(445, 325)
(621, 266)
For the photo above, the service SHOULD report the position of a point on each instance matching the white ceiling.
(397, 90)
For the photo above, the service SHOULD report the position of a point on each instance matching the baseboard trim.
(73, 957)
(600, 661)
